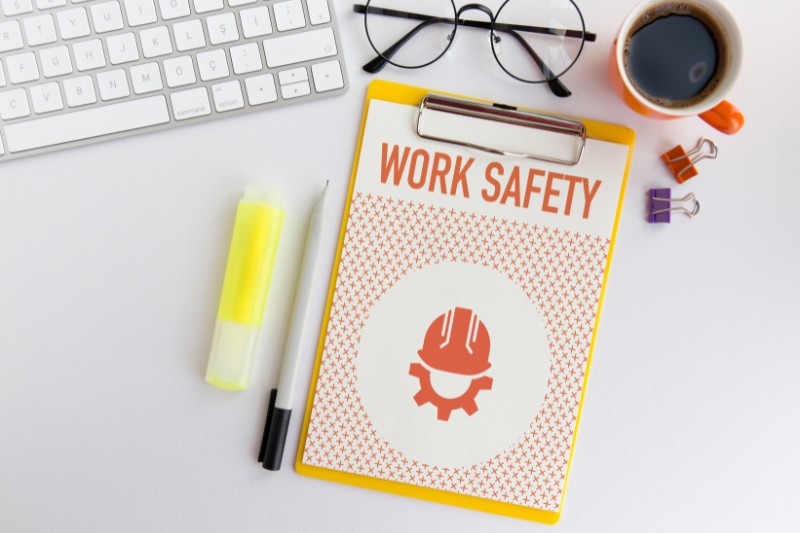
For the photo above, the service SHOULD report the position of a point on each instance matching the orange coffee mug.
(653, 67)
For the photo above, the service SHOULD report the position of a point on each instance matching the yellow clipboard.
(413, 96)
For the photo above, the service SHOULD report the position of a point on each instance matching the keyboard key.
(122, 48)
(261, 89)
(227, 96)
(292, 76)
(40, 30)
(46, 98)
(172, 9)
(246, 58)
(49, 4)
(299, 47)
(255, 22)
(213, 65)
(79, 91)
(146, 78)
(10, 36)
(191, 103)
(140, 12)
(2, 76)
(318, 11)
(73, 23)
(89, 55)
(22, 68)
(294, 83)
(16, 7)
(2, 150)
(295, 89)
(237, 3)
(155, 42)
(55, 61)
(14, 104)
(107, 17)
(222, 28)
(204, 6)
(179, 71)
(113, 84)
(289, 15)
(327, 76)
(189, 35)
(86, 124)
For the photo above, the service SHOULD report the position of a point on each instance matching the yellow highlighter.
(256, 233)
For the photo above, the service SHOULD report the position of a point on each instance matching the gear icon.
(456, 342)
(445, 406)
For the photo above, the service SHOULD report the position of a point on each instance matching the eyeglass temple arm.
(377, 64)
(555, 84)
(587, 36)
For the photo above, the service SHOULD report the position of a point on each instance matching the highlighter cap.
(254, 246)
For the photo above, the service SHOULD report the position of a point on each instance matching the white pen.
(280, 401)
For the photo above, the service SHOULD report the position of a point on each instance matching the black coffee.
(675, 55)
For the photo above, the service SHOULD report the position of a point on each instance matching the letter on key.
(73, 23)
(46, 98)
(146, 78)
(222, 28)
(140, 12)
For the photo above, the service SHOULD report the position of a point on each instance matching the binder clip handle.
(662, 205)
(681, 163)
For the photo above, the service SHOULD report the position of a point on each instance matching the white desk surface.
(111, 261)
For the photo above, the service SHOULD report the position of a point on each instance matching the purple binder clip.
(661, 205)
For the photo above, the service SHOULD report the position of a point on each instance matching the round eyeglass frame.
(494, 17)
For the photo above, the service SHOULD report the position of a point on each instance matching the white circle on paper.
(394, 332)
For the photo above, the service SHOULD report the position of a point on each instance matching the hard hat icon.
(457, 342)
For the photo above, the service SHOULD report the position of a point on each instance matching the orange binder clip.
(681, 163)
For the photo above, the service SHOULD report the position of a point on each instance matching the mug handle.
(725, 117)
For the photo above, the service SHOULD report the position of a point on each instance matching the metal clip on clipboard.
(506, 130)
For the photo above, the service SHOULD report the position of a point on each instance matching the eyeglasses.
(546, 36)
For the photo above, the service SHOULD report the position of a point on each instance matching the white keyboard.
(77, 71)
